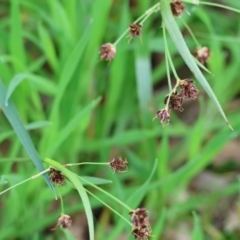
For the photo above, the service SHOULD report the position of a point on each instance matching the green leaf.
(180, 44)
(73, 178)
(14, 119)
(197, 233)
(42, 84)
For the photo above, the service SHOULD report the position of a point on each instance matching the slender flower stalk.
(113, 210)
(85, 163)
(108, 194)
(142, 17)
(191, 33)
(26, 180)
(220, 6)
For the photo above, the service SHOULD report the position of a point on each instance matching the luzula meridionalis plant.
(60, 175)
(184, 89)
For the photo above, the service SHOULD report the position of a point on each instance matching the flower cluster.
(177, 7)
(202, 54)
(140, 224)
(107, 51)
(118, 165)
(56, 176)
(175, 99)
(65, 221)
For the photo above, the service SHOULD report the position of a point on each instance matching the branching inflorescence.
(183, 89)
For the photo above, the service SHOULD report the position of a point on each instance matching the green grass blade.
(180, 44)
(48, 47)
(16, 40)
(81, 190)
(41, 83)
(69, 128)
(197, 233)
(14, 119)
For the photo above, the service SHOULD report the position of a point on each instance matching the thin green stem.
(61, 200)
(108, 194)
(220, 6)
(168, 54)
(85, 163)
(191, 33)
(31, 178)
(143, 16)
(128, 222)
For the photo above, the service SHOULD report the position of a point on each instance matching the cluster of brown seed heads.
(140, 224)
(174, 100)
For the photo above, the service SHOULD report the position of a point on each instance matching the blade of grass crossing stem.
(14, 119)
(82, 192)
(197, 233)
(134, 200)
(180, 44)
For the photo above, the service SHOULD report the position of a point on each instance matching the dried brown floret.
(118, 165)
(163, 116)
(56, 176)
(65, 221)
(140, 224)
(107, 52)
(141, 233)
(135, 29)
(175, 101)
(188, 89)
(202, 54)
(177, 7)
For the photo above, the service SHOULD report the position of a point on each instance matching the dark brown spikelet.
(188, 89)
(107, 52)
(118, 165)
(140, 224)
(175, 101)
(177, 7)
(202, 54)
(65, 221)
(56, 176)
(135, 30)
(164, 116)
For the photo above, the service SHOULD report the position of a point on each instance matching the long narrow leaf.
(81, 190)
(14, 119)
(180, 44)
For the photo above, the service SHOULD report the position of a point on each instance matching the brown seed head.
(140, 224)
(65, 221)
(141, 233)
(56, 176)
(135, 29)
(202, 54)
(118, 165)
(175, 101)
(107, 52)
(163, 116)
(177, 7)
(188, 89)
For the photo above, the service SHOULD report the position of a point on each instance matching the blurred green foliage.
(51, 49)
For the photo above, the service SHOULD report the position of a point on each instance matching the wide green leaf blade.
(14, 119)
(180, 44)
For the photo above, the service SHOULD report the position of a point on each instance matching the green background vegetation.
(80, 109)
